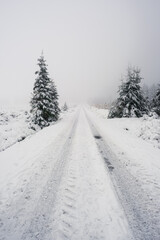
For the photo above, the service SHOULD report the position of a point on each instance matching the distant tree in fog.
(65, 107)
(156, 101)
(149, 94)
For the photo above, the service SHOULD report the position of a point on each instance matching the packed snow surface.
(147, 128)
(134, 151)
(85, 177)
(55, 185)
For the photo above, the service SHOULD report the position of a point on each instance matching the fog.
(88, 45)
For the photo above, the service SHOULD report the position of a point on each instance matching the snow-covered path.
(135, 172)
(58, 187)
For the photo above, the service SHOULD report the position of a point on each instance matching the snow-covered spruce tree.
(54, 97)
(146, 94)
(65, 107)
(150, 95)
(156, 101)
(44, 102)
(131, 102)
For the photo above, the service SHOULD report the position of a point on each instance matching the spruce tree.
(146, 94)
(65, 107)
(44, 102)
(130, 102)
(55, 102)
(156, 101)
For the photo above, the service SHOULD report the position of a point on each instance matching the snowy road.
(58, 187)
(134, 169)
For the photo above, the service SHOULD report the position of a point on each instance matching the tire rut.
(41, 224)
(27, 216)
(139, 209)
(66, 213)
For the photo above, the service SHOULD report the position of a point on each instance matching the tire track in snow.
(65, 214)
(76, 201)
(41, 224)
(136, 202)
(22, 217)
(87, 208)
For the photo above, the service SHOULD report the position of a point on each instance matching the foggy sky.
(88, 45)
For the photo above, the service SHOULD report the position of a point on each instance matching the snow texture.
(55, 185)
(14, 127)
(85, 177)
(147, 128)
(133, 150)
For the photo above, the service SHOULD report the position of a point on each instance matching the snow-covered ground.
(133, 149)
(85, 177)
(54, 185)
(147, 128)
(14, 127)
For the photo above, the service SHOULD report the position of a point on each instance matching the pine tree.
(146, 94)
(65, 107)
(130, 102)
(54, 97)
(44, 102)
(150, 93)
(156, 101)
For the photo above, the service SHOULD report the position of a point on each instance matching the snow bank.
(23, 154)
(14, 127)
(133, 149)
(150, 130)
(147, 128)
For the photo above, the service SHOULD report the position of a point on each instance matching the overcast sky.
(88, 45)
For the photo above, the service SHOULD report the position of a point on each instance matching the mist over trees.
(133, 100)
(44, 102)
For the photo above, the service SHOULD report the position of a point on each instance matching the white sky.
(88, 45)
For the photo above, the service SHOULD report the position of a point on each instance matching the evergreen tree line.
(133, 101)
(44, 103)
